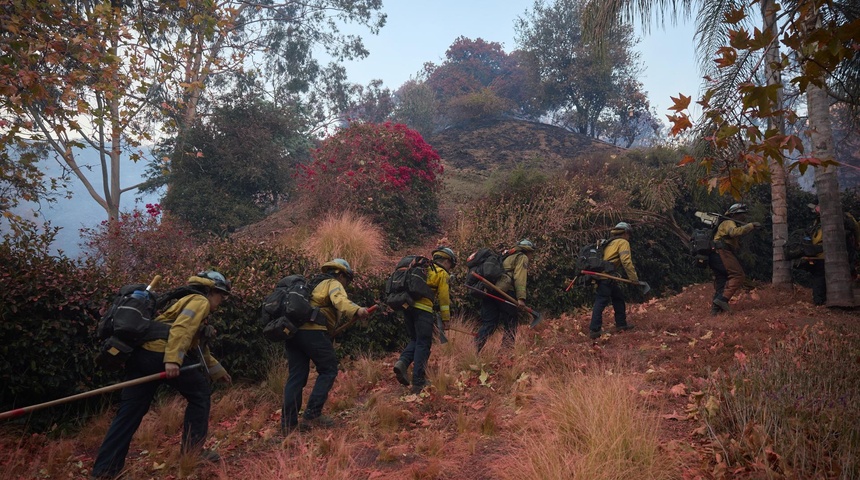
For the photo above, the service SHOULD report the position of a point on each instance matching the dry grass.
(790, 410)
(368, 370)
(277, 373)
(588, 427)
(348, 236)
(383, 414)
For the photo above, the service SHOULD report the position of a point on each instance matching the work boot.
(716, 310)
(595, 334)
(400, 372)
(323, 421)
(623, 328)
(210, 455)
(286, 430)
(418, 387)
(723, 304)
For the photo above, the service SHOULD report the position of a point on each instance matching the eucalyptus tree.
(416, 105)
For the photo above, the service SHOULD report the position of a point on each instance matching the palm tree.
(836, 264)
(712, 33)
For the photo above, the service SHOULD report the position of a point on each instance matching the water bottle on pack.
(140, 294)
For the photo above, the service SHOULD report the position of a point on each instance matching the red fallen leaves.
(678, 390)
(674, 416)
(741, 358)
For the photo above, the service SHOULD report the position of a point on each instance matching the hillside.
(487, 417)
(488, 145)
(471, 153)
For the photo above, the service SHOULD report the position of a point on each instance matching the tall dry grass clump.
(348, 236)
(587, 427)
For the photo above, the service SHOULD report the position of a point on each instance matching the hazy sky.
(419, 32)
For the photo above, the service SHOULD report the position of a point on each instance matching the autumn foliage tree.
(384, 171)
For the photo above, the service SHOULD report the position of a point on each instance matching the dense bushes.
(47, 321)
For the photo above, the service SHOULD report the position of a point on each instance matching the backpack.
(287, 308)
(702, 245)
(127, 324)
(486, 263)
(408, 282)
(590, 258)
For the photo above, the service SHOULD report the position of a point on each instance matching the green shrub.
(47, 322)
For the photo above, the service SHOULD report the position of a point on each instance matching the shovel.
(645, 287)
(537, 315)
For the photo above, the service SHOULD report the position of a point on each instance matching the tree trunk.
(778, 191)
(837, 275)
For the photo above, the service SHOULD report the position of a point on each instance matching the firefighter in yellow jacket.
(495, 313)
(420, 320)
(312, 343)
(852, 245)
(185, 344)
(727, 242)
(616, 252)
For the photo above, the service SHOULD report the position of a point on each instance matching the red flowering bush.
(384, 171)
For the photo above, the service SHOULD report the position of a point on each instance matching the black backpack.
(408, 282)
(590, 258)
(127, 324)
(288, 307)
(486, 263)
(702, 245)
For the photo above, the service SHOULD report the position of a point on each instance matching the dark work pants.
(135, 402)
(735, 273)
(305, 347)
(608, 292)
(494, 314)
(819, 284)
(721, 275)
(419, 326)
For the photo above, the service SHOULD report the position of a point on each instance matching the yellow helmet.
(445, 252)
(212, 279)
(526, 245)
(339, 265)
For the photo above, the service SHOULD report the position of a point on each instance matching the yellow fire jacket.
(617, 251)
(516, 267)
(852, 234)
(186, 317)
(437, 280)
(331, 298)
(729, 233)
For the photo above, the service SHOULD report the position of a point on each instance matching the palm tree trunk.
(778, 191)
(837, 275)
